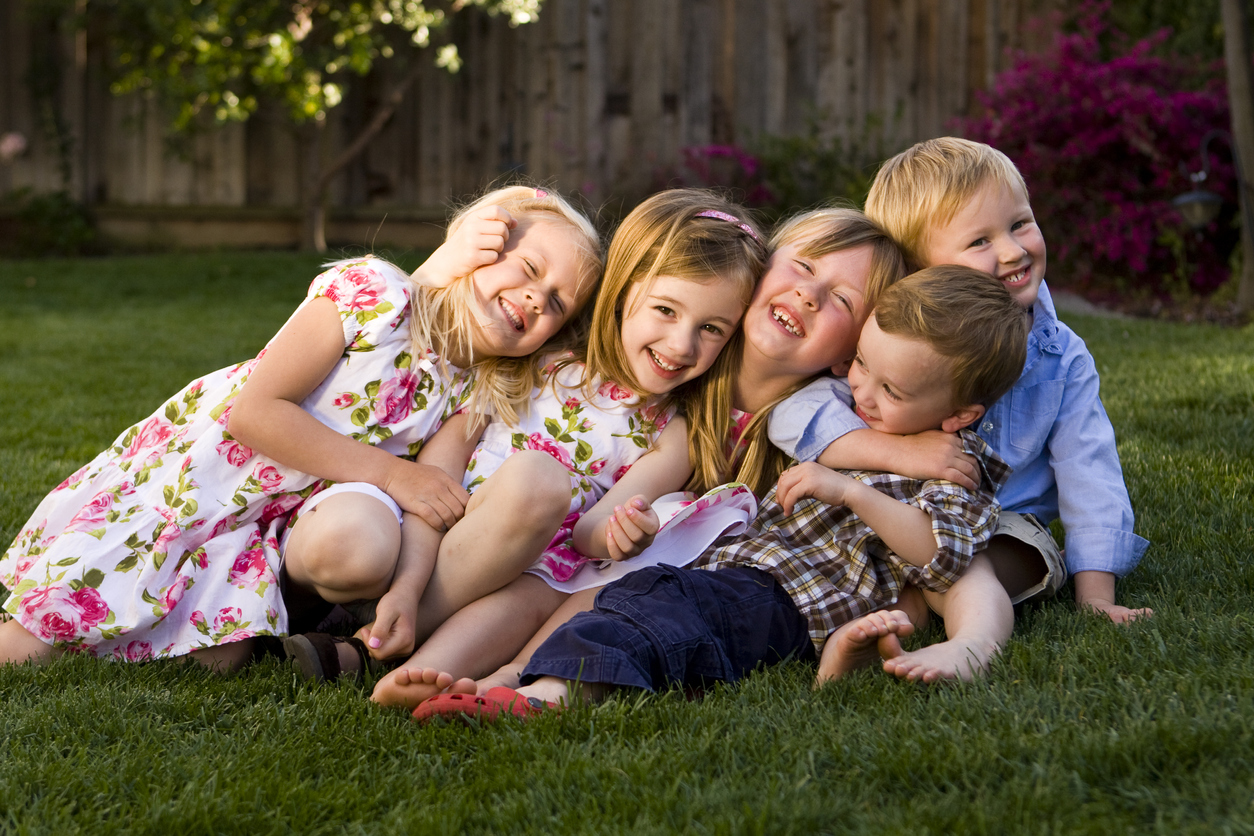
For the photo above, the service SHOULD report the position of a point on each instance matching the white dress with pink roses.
(597, 439)
(168, 541)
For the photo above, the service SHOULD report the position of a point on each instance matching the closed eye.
(893, 396)
(805, 265)
(844, 300)
(531, 268)
(558, 304)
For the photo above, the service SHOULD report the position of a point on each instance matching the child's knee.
(534, 483)
(352, 543)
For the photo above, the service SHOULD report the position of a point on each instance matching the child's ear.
(963, 417)
(841, 369)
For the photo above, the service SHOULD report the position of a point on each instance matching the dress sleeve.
(371, 295)
(803, 424)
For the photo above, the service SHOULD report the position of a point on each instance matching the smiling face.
(807, 312)
(673, 331)
(902, 386)
(531, 290)
(995, 233)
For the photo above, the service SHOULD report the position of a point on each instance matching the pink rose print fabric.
(168, 541)
(596, 439)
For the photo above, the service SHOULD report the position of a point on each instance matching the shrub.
(1105, 140)
(49, 224)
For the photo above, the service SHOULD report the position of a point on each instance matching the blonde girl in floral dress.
(573, 480)
(168, 542)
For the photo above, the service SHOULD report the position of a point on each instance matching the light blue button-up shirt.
(1051, 428)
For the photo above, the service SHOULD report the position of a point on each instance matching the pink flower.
(610, 389)
(535, 441)
(169, 533)
(596, 467)
(563, 561)
(227, 616)
(92, 515)
(154, 433)
(92, 607)
(268, 476)
(396, 397)
(174, 594)
(198, 621)
(73, 479)
(618, 474)
(356, 289)
(572, 404)
(250, 570)
(345, 400)
(134, 652)
(224, 525)
(236, 454)
(279, 507)
(51, 613)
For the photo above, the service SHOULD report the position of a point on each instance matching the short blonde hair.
(443, 319)
(816, 233)
(966, 316)
(923, 187)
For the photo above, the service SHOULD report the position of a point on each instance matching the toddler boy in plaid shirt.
(829, 551)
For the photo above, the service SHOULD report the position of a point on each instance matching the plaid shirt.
(836, 568)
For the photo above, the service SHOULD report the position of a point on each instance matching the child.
(167, 542)
(574, 477)
(939, 344)
(826, 270)
(953, 201)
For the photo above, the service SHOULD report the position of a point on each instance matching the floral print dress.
(597, 439)
(168, 541)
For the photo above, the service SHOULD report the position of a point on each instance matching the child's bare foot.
(863, 641)
(406, 687)
(954, 659)
(505, 676)
(1115, 612)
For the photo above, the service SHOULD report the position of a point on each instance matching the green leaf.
(127, 563)
(93, 578)
(554, 428)
(402, 360)
(189, 508)
(66, 561)
(168, 494)
(171, 413)
(372, 388)
(583, 451)
(360, 416)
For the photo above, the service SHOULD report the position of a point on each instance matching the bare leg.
(473, 641)
(978, 621)
(861, 642)
(509, 522)
(1018, 566)
(17, 645)
(507, 675)
(225, 658)
(345, 549)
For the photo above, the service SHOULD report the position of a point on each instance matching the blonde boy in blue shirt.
(954, 201)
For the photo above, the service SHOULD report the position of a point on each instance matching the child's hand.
(631, 529)
(477, 243)
(391, 634)
(426, 491)
(938, 455)
(1095, 592)
(811, 479)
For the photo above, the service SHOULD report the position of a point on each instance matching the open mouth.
(866, 419)
(513, 315)
(1016, 278)
(666, 366)
(787, 321)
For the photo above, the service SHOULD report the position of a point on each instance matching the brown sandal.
(318, 657)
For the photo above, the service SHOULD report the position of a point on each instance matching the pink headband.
(541, 193)
(731, 219)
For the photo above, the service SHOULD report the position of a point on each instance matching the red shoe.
(486, 707)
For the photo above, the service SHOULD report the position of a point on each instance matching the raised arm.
(623, 523)
(476, 243)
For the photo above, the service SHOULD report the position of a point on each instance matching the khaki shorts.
(1027, 529)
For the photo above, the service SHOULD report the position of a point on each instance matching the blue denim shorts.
(665, 626)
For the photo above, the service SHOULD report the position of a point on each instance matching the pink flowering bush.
(1105, 132)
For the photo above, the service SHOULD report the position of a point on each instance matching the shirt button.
(987, 426)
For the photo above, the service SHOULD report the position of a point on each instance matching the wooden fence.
(595, 97)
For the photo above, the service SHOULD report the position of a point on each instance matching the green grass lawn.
(1081, 727)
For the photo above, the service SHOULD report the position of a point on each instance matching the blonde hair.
(756, 461)
(674, 234)
(442, 318)
(966, 316)
(923, 187)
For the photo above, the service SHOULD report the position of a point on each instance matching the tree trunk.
(1241, 108)
(319, 178)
